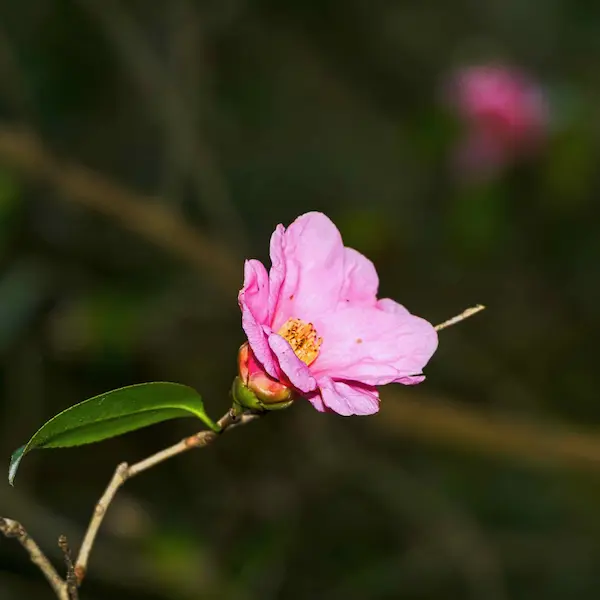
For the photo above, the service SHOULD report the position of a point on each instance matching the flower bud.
(255, 389)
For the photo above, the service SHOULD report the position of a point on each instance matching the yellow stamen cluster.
(303, 339)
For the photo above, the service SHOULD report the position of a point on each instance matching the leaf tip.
(15, 461)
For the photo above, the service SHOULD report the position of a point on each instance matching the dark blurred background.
(146, 148)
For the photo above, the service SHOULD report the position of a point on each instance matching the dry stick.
(125, 472)
(71, 579)
(13, 529)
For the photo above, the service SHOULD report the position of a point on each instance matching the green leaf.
(112, 414)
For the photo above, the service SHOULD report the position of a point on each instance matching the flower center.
(303, 339)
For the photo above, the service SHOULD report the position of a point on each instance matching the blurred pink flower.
(505, 113)
(315, 326)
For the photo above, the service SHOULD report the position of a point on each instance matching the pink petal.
(277, 272)
(258, 341)
(313, 254)
(391, 306)
(256, 289)
(293, 368)
(316, 400)
(411, 379)
(252, 299)
(373, 346)
(348, 399)
(360, 279)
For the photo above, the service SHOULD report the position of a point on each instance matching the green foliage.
(114, 413)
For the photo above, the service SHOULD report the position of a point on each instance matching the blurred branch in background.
(436, 421)
(26, 153)
(164, 93)
(185, 66)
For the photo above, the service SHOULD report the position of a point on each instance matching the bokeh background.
(146, 148)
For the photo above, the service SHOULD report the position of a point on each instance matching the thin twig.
(71, 579)
(13, 529)
(124, 472)
(469, 312)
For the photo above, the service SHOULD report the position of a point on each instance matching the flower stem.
(469, 312)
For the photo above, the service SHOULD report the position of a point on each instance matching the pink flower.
(315, 326)
(505, 113)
